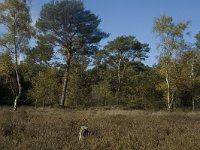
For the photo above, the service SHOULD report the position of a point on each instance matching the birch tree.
(16, 22)
(189, 79)
(171, 42)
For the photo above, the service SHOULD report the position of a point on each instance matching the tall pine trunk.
(66, 80)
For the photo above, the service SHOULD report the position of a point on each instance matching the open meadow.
(58, 129)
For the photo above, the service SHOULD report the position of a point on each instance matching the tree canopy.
(86, 74)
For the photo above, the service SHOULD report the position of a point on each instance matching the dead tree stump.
(83, 132)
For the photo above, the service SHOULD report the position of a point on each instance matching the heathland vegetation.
(66, 67)
(53, 129)
(98, 87)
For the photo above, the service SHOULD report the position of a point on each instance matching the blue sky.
(135, 17)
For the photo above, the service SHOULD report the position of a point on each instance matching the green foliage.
(124, 48)
(42, 53)
(7, 80)
(6, 66)
(128, 47)
(16, 19)
(119, 54)
(45, 88)
(102, 95)
(172, 44)
(70, 26)
(118, 77)
(198, 40)
(79, 83)
(170, 33)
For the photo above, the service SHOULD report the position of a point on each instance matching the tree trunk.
(168, 90)
(36, 103)
(119, 82)
(19, 87)
(65, 82)
(193, 88)
(172, 102)
(16, 70)
(193, 104)
(43, 104)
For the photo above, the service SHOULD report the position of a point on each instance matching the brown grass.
(56, 129)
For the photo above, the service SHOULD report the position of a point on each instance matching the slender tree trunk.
(36, 103)
(119, 82)
(11, 87)
(16, 70)
(193, 104)
(124, 69)
(105, 102)
(118, 93)
(172, 102)
(19, 90)
(65, 82)
(193, 88)
(168, 90)
(43, 104)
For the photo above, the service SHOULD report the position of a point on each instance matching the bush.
(46, 88)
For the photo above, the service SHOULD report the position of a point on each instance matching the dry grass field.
(57, 129)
